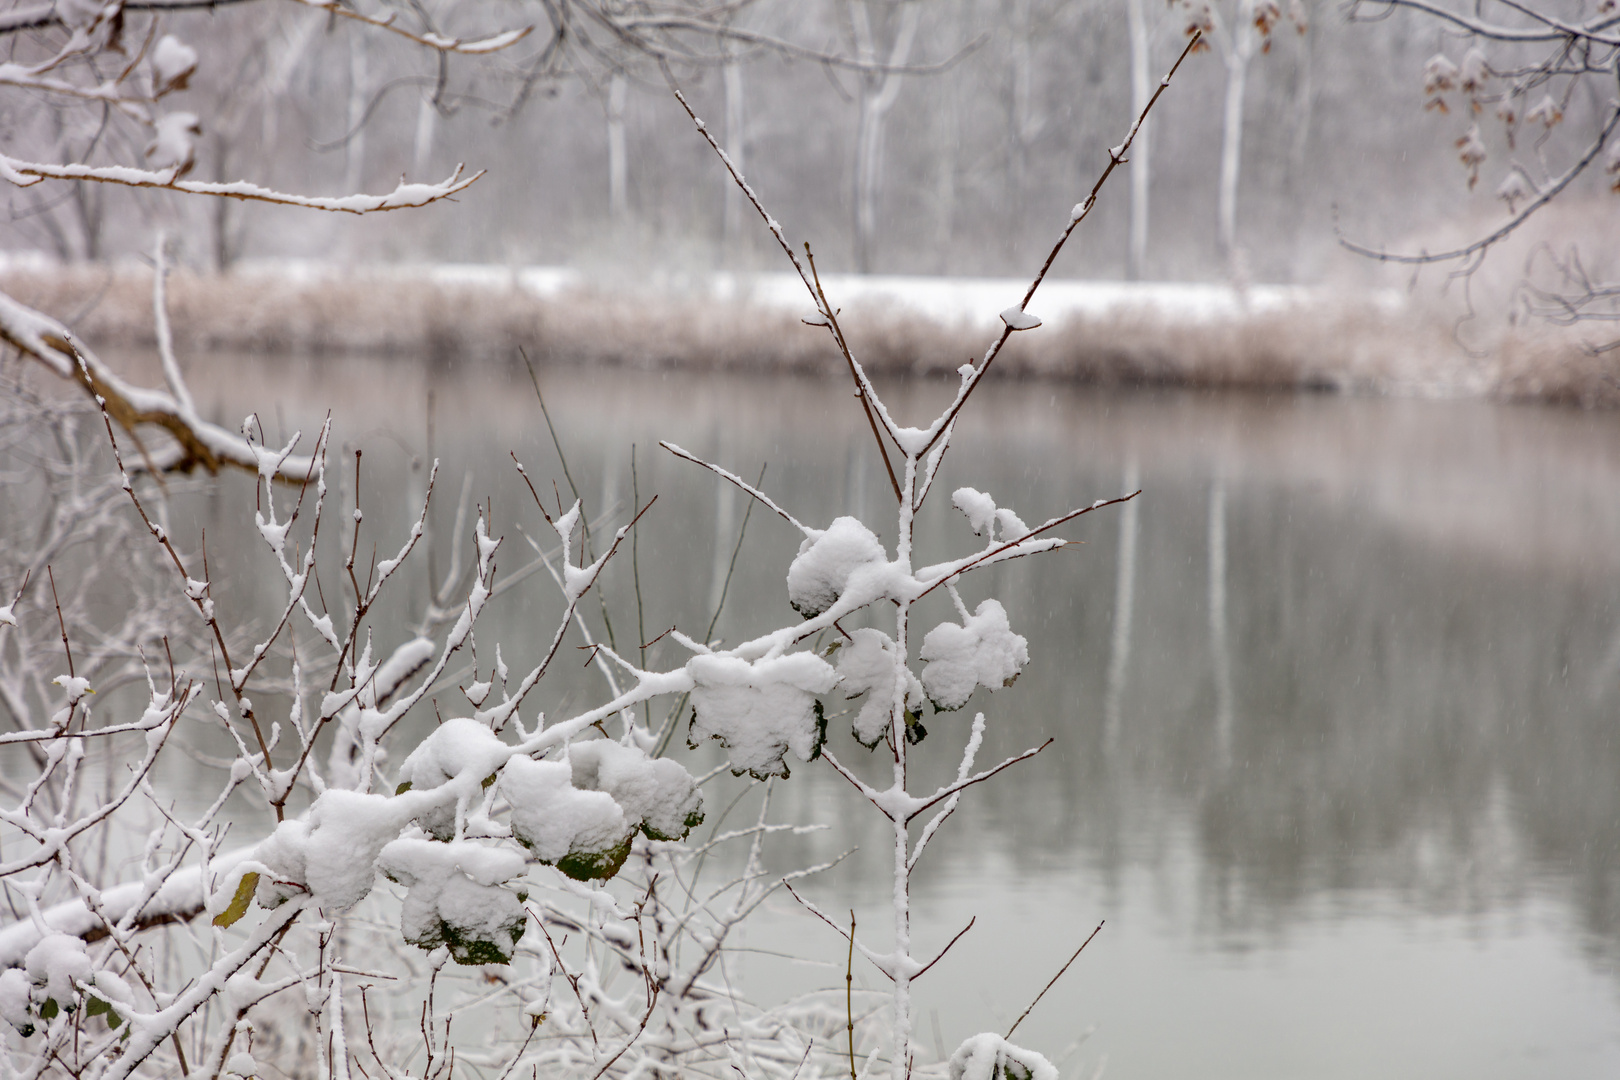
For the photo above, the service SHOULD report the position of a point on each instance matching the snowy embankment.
(946, 300)
(1160, 333)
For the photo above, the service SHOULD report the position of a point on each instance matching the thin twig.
(51, 575)
(947, 948)
(584, 523)
(849, 995)
(831, 315)
(1011, 544)
(741, 483)
(1082, 210)
(1055, 978)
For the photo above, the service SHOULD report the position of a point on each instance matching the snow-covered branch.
(404, 196)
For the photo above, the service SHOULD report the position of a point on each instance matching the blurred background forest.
(996, 118)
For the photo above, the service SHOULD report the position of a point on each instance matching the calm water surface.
(1337, 748)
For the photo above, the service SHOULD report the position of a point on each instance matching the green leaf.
(97, 1007)
(403, 788)
(239, 902)
(693, 820)
(487, 782)
(594, 865)
(468, 948)
(48, 1010)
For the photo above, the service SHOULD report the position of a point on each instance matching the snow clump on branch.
(758, 711)
(990, 1057)
(982, 651)
(867, 665)
(454, 897)
(826, 561)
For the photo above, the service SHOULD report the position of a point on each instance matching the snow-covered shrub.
(990, 1057)
(551, 857)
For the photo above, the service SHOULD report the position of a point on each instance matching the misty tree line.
(929, 159)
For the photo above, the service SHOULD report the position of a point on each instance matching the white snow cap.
(866, 663)
(455, 899)
(57, 963)
(173, 62)
(74, 688)
(759, 711)
(821, 571)
(983, 652)
(15, 994)
(655, 794)
(347, 832)
(1475, 71)
(1019, 319)
(990, 1057)
(455, 747)
(979, 508)
(1514, 188)
(584, 832)
(981, 512)
(1439, 74)
(241, 1064)
(1545, 111)
(173, 143)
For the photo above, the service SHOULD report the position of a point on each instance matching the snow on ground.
(953, 300)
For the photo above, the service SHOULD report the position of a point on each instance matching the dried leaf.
(239, 902)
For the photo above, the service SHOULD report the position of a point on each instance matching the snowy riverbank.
(1161, 333)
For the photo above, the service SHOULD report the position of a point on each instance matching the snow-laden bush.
(515, 870)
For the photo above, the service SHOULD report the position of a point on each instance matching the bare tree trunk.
(1231, 154)
(732, 224)
(1023, 90)
(618, 175)
(224, 253)
(88, 202)
(1237, 50)
(1304, 104)
(355, 172)
(878, 95)
(427, 120)
(945, 175)
(1141, 88)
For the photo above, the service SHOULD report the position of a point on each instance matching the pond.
(1336, 701)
